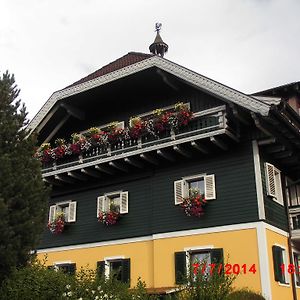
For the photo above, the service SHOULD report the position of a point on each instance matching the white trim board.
(174, 234)
(208, 85)
(258, 181)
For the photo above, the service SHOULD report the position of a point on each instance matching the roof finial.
(158, 47)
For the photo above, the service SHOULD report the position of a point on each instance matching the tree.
(23, 194)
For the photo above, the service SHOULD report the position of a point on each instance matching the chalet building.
(155, 167)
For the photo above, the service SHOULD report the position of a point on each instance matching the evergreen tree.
(23, 195)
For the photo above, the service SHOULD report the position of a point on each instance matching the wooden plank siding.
(151, 200)
(275, 213)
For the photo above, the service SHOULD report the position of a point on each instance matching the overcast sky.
(249, 45)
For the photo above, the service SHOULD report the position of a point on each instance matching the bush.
(245, 294)
(38, 282)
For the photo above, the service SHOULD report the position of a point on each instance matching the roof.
(279, 89)
(126, 60)
(136, 62)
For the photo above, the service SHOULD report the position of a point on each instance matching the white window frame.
(294, 251)
(185, 188)
(107, 199)
(195, 249)
(63, 204)
(108, 260)
(275, 173)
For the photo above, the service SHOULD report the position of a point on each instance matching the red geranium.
(193, 205)
(108, 218)
(58, 225)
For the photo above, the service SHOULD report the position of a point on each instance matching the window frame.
(61, 205)
(285, 275)
(296, 274)
(106, 200)
(185, 187)
(59, 265)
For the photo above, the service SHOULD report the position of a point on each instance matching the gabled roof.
(124, 61)
(126, 66)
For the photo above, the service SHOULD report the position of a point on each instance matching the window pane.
(115, 269)
(114, 203)
(197, 184)
(201, 258)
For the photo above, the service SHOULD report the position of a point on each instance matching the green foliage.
(38, 282)
(203, 286)
(245, 294)
(22, 192)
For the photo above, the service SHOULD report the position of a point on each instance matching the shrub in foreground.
(245, 294)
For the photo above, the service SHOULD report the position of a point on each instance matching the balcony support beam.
(64, 179)
(134, 162)
(149, 159)
(91, 173)
(181, 151)
(118, 166)
(219, 143)
(165, 155)
(199, 147)
(77, 176)
(104, 169)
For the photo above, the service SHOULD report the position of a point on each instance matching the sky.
(249, 45)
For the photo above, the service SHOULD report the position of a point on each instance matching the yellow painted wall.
(140, 254)
(279, 292)
(153, 261)
(241, 246)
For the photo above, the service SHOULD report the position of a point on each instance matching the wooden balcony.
(208, 129)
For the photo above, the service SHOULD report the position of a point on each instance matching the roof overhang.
(199, 81)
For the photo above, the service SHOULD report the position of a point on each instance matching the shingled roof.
(126, 60)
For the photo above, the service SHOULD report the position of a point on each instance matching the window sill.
(284, 284)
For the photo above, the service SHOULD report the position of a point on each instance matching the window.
(273, 181)
(293, 193)
(67, 208)
(68, 268)
(296, 221)
(279, 259)
(117, 201)
(118, 268)
(205, 184)
(297, 265)
(185, 260)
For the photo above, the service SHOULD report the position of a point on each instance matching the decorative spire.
(158, 47)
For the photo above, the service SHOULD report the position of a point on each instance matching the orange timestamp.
(228, 269)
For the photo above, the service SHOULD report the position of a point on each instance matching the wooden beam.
(57, 127)
(90, 173)
(200, 148)
(134, 162)
(149, 159)
(267, 141)
(77, 176)
(283, 154)
(219, 143)
(52, 181)
(118, 166)
(73, 111)
(105, 169)
(232, 136)
(64, 179)
(275, 148)
(165, 155)
(182, 151)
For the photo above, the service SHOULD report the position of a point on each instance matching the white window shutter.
(72, 211)
(52, 212)
(209, 187)
(124, 203)
(180, 191)
(270, 180)
(100, 204)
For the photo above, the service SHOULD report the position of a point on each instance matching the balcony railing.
(204, 124)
